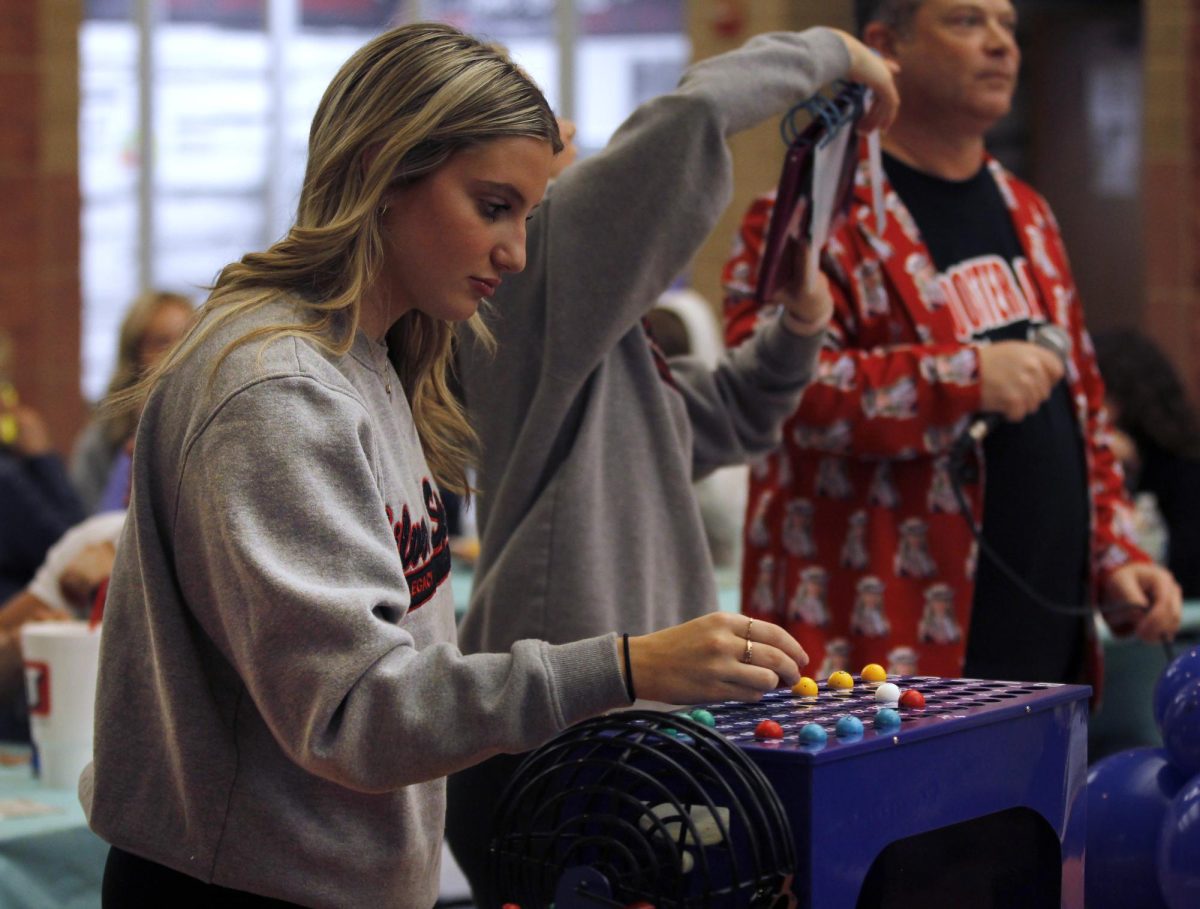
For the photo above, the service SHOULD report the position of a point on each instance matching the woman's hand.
(876, 73)
(806, 309)
(706, 660)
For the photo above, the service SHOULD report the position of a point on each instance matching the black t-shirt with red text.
(1036, 513)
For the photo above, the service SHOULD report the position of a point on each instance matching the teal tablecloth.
(1125, 718)
(49, 860)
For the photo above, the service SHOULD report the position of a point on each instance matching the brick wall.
(1171, 181)
(1191, 99)
(39, 207)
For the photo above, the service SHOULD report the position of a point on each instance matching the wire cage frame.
(641, 807)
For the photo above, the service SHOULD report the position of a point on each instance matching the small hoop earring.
(381, 210)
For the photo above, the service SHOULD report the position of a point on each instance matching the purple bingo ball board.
(979, 752)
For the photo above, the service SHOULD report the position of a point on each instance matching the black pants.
(132, 882)
(471, 799)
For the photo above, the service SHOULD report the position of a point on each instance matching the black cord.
(958, 456)
(957, 463)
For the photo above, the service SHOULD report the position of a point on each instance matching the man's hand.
(876, 73)
(1016, 377)
(1124, 448)
(1154, 599)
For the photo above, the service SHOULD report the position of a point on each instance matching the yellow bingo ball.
(873, 672)
(840, 680)
(805, 688)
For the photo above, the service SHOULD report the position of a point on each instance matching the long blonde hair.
(395, 112)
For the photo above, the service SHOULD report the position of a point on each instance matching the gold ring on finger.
(748, 655)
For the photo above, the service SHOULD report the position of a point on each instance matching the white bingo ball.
(887, 693)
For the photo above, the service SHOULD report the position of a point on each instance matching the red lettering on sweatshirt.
(423, 545)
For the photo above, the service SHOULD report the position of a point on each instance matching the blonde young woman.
(154, 322)
(280, 691)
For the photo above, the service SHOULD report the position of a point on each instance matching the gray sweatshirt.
(587, 517)
(280, 694)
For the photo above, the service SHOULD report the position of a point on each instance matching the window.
(224, 90)
(627, 52)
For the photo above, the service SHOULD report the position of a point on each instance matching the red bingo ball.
(912, 699)
(768, 729)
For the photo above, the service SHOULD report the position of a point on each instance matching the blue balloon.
(1127, 798)
(1179, 849)
(1178, 673)
(1181, 729)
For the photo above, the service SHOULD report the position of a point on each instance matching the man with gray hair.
(941, 289)
(895, 14)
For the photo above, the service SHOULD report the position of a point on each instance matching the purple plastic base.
(977, 748)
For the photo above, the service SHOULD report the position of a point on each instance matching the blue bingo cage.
(977, 798)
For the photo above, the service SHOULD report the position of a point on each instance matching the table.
(50, 860)
(53, 861)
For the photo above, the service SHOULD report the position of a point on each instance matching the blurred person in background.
(65, 587)
(37, 502)
(99, 463)
(684, 324)
(1156, 434)
(565, 158)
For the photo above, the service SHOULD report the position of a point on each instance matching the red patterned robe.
(853, 538)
